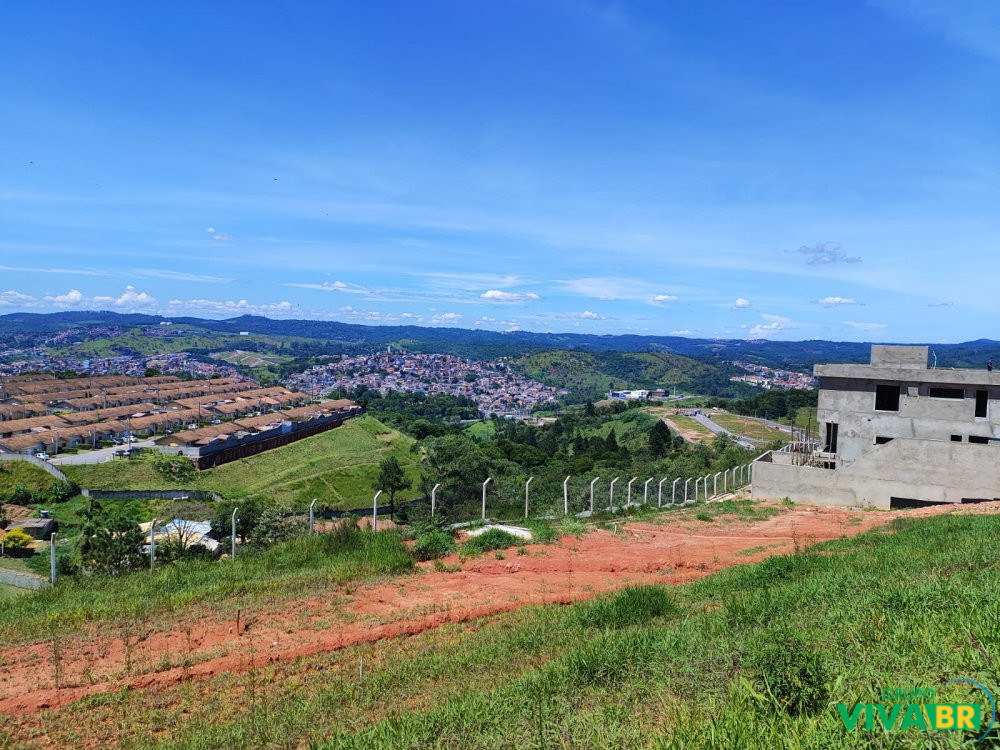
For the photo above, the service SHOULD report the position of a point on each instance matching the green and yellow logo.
(913, 708)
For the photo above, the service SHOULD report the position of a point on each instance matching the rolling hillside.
(338, 467)
(591, 374)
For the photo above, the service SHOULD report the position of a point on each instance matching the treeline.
(418, 414)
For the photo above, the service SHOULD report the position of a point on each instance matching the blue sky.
(779, 170)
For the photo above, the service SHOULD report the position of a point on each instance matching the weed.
(433, 544)
(789, 672)
(636, 605)
(489, 540)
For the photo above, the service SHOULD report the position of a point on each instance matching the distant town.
(494, 386)
(768, 377)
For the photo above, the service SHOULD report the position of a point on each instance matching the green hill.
(590, 374)
(21, 473)
(339, 467)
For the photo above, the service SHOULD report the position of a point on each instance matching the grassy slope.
(339, 467)
(588, 372)
(619, 672)
(748, 427)
(13, 473)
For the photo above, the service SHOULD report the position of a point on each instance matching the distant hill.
(798, 355)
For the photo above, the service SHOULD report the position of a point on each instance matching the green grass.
(10, 592)
(313, 563)
(488, 541)
(754, 657)
(339, 467)
(685, 422)
(749, 427)
(13, 473)
(482, 430)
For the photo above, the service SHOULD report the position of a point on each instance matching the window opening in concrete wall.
(982, 401)
(940, 392)
(830, 445)
(882, 440)
(956, 438)
(886, 398)
(978, 439)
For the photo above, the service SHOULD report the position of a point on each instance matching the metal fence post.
(152, 543)
(232, 539)
(488, 480)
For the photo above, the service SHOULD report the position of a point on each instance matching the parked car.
(43, 456)
(132, 439)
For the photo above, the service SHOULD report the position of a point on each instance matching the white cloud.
(590, 315)
(130, 299)
(774, 324)
(210, 230)
(72, 298)
(10, 297)
(665, 298)
(228, 307)
(824, 253)
(835, 301)
(160, 273)
(940, 304)
(606, 287)
(448, 317)
(682, 332)
(332, 286)
(741, 303)
(221, 237)
(865, 326)
(496, 295)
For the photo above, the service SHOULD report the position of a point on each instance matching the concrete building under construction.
(893, 433)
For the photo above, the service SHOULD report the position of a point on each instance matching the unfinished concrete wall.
(929, 470)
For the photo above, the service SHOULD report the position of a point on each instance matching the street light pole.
(488, 480)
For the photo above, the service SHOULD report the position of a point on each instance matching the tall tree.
(391, 480)
(661, 440)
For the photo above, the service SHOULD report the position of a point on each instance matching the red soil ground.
(673, 549)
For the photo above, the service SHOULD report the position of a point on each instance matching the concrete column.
(375, 511)
(566, 496)
(673, 491)
(611, 494)
(628, 498)
(434, 490)
(312, 517)
(715, 483)
(645, 491)
(526, 485)
(232, 539)
(592, 483)
(52, 558)
(152, 543)
(686, 483)
(659, 493)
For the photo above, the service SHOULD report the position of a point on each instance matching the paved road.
(720, 430)
(94, 457)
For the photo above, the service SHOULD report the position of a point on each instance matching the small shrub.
(441, 567)
(542, 532)
(433, 544)
(612, 658)
(703, 516)
(635, 605)
(498, 554)
(788, 670)
(16, 540)
(573, 526)
(489, 540)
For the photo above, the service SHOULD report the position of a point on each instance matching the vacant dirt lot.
(149, 656)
